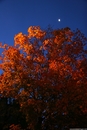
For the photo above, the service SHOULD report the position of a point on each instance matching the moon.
(59, 20)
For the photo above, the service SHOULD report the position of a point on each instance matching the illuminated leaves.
(28, 48)
(35, 31)
(46, 73)
(20, 39)
(53, 65)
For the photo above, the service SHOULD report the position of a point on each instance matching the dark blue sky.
(17, 15)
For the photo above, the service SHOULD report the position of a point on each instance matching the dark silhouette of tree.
(10, 114)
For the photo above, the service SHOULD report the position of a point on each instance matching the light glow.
(59, 20)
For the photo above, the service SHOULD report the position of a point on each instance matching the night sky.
(17, 15)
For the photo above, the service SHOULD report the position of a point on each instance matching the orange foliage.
(41, 64)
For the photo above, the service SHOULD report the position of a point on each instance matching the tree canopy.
(45, 73)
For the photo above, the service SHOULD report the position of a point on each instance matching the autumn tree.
(45, 72)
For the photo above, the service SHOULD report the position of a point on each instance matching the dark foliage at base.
(11, 115)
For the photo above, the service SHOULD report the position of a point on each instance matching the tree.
(10, 114)
(45, 72)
